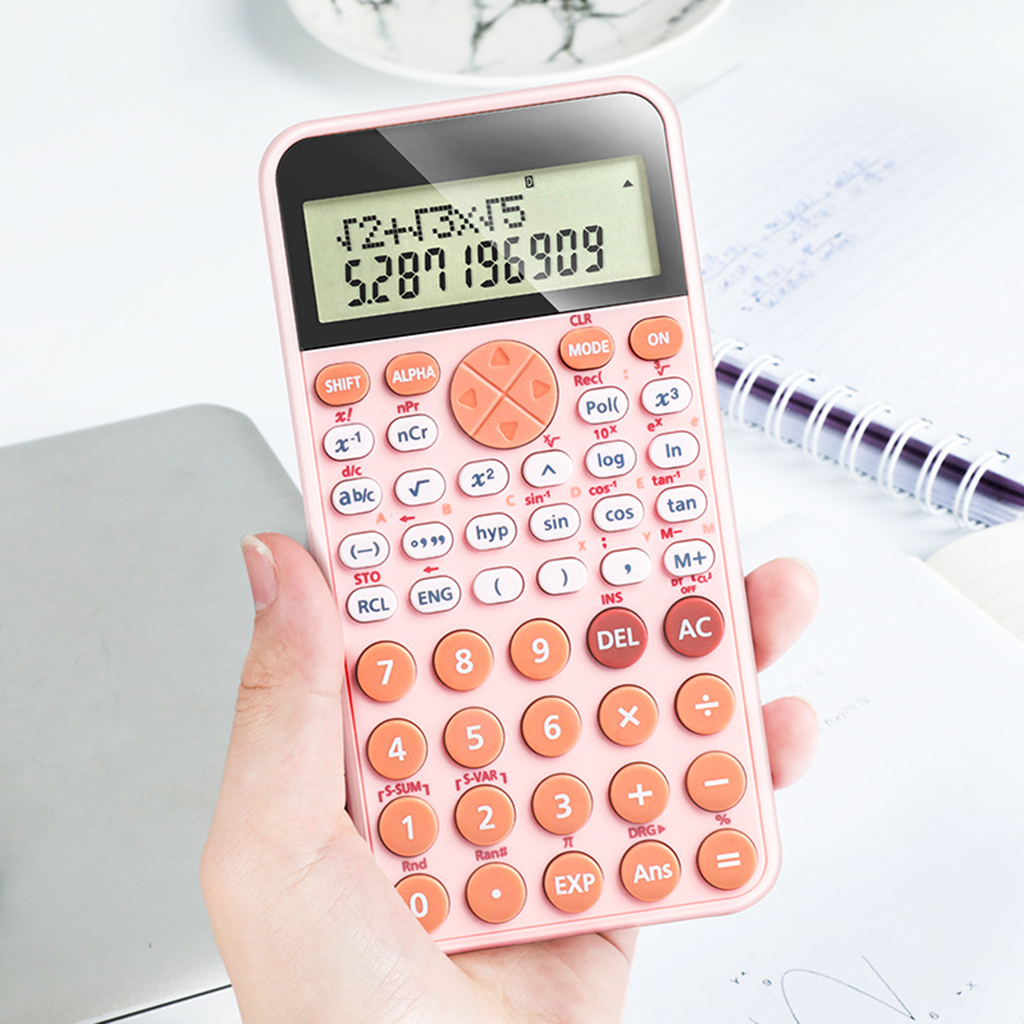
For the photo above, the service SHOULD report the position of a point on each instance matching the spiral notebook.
(863, 282)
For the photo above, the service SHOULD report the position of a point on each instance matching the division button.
(412, 433)
(627, 715)
(573, 882)
(364, 550)
(617, 637)
(408, 826)
(371, 604)
(412, 373)
(490, 532)
(352, 497)
(427, 898)
(547, 469)
(341, 384)
(473, 737)
(688, 557)
(727, 859)
(348, 441)
(694, 626)
(609, 459)
(463, 660)
(716, 781)
(434, 594)
(484, 815)
(562, 804)
(539, 649)
(649, 871)
(586, 348)
(659, 337)
(498, 586)
(551, 726)
(673, 450)
(629, 565)
(396, 749)
(420, 487)
(554, 522)
(666, 395)
(681, 504)
(487, 476)
(638, 793)
(495, 892)
(602, 405)
(562, 576)
(618, 512)
(427, 540)
(705, 704)
(385, 671)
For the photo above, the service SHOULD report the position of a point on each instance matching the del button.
(617, 637)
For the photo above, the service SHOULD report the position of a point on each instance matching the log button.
(617, 637)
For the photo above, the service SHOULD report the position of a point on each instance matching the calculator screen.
(536, 230)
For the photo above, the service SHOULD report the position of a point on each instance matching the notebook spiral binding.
(830, 427)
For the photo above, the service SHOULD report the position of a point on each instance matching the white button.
(547, 469)
(427, 540)
(562, 576)
(496, 586)
(361, 494)
(348, 441)
(412, 433)
(610, 458)
(619, 512)
(681, 504)
(688, 557)
(670, 451)
(489, 476)
(490, 532)
(554, 522)
(434, 594)
(371, 604)
(666, 395)
(630, 565)
(419, 487)
(364, 550)
(602, 405)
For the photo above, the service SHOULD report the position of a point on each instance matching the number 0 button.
(396, 749)
(539, 649)
(427, 898)
(473, 737)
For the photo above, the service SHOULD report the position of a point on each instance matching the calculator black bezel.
(474, 145)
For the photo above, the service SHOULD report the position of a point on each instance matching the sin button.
(617, 637)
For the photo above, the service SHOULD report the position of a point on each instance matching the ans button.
(617, 637)
(649, 871)
(342, 384)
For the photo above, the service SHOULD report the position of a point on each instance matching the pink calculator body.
(512, 461)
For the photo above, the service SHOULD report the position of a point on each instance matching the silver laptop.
(124, 619)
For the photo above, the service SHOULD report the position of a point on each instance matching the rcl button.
(617, 637)
(371, 604)
(602, 405)
(434, 594)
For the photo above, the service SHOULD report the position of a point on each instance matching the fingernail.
(803, 565)
(259, 563)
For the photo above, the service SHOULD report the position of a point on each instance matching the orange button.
(463, 660)
(716, 781)
(427, 898)
(342, 384)
(562, 804)
(705, 704)
(551, 726)
(408, 826)
(539, 649)
(385, 671)
(649, 871)
(586, 348)
(638, 793)
(660, 337)
(495, 892)
(694, 626)
(473, 737)
(727, 859)
(485, 815)
(627, 715)
(396, 749)
(617, 637)
(412, 373)
(573, 882)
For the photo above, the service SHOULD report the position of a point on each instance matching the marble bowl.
(502, 42)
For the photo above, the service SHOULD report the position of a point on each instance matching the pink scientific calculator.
(512, 459)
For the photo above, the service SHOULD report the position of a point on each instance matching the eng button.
(434, 594)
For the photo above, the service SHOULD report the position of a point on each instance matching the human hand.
(309, 928)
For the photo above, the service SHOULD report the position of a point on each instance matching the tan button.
(551, 726)
(485, 815)
(463, 660)
(659, 337)
(727, 859)
(573, 882)
(412, 373)
(586, 348)
(627, 715)
(562, 804)
(705, 704)
(539, 649)
(495, 892)
(396, 749)
(617, 637)
(473, 737)
(694, 626)
(649, 871)
(638, 793)
(716, 781)
(427, 898)
(342, 384)
(408, 826)
(385, 671)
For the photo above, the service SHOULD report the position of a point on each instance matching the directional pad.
(504, 394)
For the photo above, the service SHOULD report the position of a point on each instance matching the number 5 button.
(473, 737)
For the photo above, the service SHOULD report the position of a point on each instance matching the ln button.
(617, 637)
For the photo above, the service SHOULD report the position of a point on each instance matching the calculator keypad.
(526, 546)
